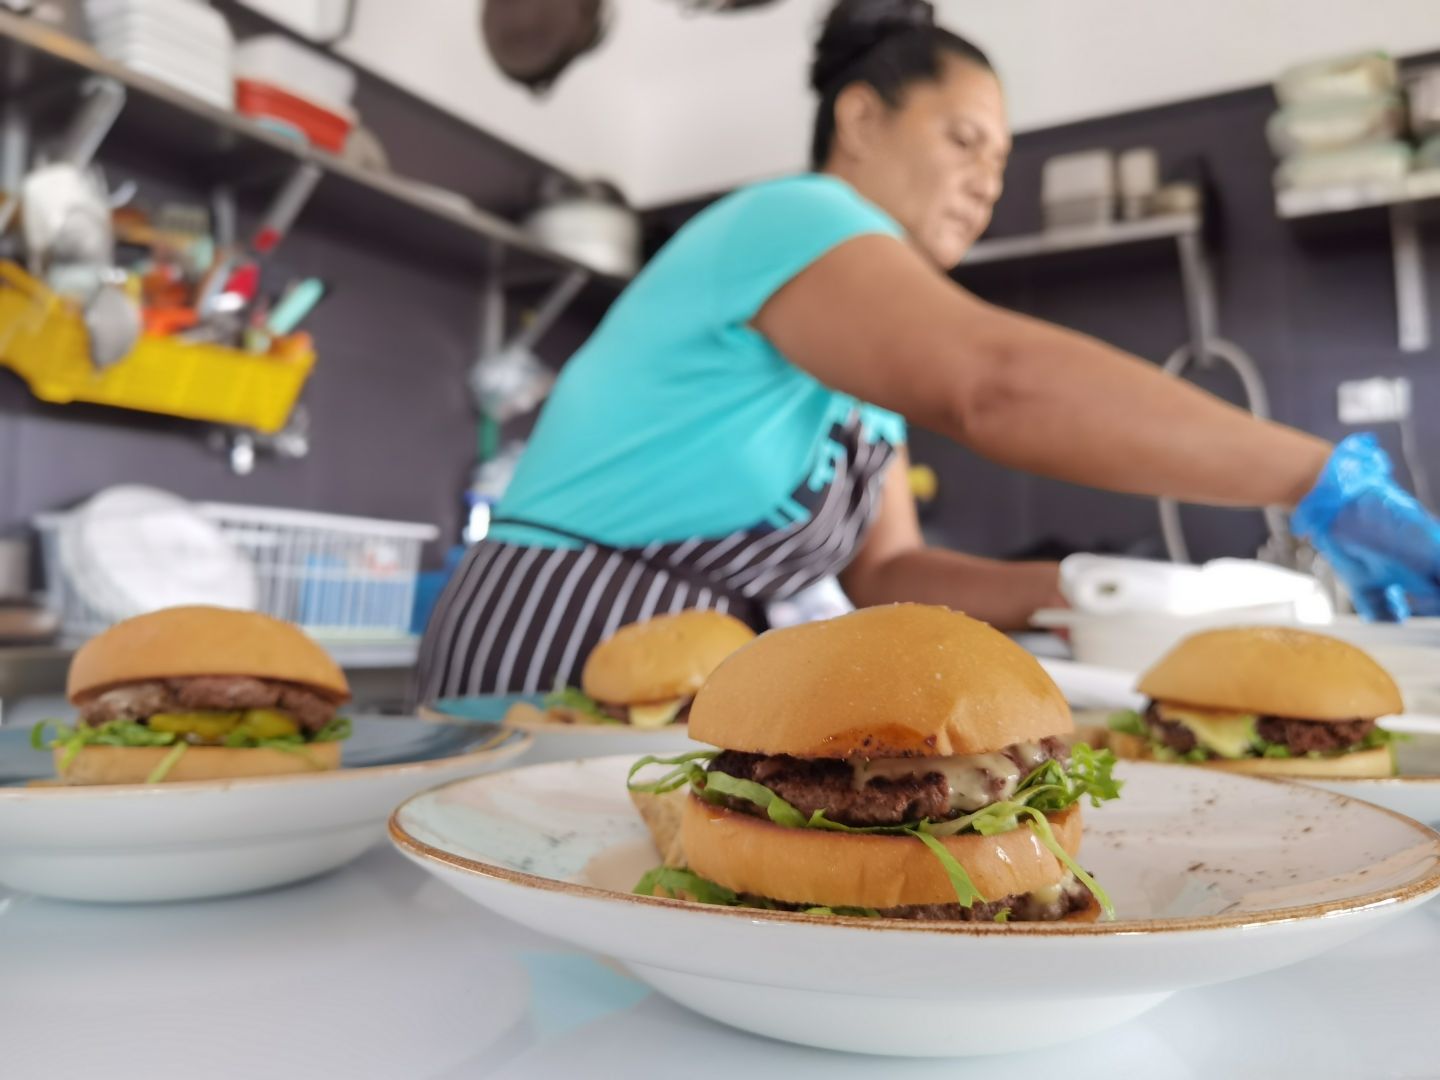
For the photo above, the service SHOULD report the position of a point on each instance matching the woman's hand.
(1382, 543)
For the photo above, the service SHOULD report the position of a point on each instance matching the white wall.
(674, 105)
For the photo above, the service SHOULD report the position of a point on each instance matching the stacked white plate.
(133, 549)
(184, 43)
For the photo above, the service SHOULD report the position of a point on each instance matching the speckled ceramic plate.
(559, 741)
(1415, 792)
(129, 842)
(1214, 877)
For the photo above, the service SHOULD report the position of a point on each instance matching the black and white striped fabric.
(517, 619)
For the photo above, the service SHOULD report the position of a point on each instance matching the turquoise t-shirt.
(677, 419)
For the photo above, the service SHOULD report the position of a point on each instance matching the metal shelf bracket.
(1412, 310)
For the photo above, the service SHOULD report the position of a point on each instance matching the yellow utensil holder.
(43, 340)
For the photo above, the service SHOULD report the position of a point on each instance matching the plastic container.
(278, 61)
(323, 127)
(1335, 125)
(339, 577)
(43, 340)
(1377, 163)
(1354, 76)
(1078, 189)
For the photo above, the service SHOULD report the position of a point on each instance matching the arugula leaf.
(1003, 915)
(844, 912)
(167, 763)
(779, 811)
(1128, 722)
(1275, 750)
(337, 730)
(687, 770)
(576, 700)
(675, 881)
(965, 891)
(1040, 825)
(1382, 737)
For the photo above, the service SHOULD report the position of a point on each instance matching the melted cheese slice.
(1227, 734)
(656, 714)
(969, 777)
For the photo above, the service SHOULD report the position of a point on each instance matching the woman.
(735, 429)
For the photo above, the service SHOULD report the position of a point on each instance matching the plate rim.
(418, 849)
(505, 745)
(549, 727)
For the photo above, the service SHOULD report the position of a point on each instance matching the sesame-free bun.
(1375, 763)
(133, 764)
(902, 680)
(832, 869)
(181, 642)
(1273, 671)
(662, 658)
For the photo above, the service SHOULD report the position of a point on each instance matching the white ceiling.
(675, 105)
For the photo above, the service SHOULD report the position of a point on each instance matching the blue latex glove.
(1382, 543)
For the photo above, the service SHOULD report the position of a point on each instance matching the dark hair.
(887, 44)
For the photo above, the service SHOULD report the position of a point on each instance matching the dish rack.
(339, 577)
(43, 340)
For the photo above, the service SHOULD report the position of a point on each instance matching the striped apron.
(518, 619)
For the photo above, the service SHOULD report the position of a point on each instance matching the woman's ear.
(860, 114)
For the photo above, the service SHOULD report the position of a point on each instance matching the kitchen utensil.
(325, 126)
(294, 306)
(112, 324)
(1212, 876)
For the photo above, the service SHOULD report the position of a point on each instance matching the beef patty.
(828, 784)
(1298, 736)
(138, 701)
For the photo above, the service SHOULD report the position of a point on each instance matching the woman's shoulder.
(800, 200)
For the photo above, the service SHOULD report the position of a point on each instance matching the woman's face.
(937, 162)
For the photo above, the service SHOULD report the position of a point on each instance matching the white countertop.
(379, 972)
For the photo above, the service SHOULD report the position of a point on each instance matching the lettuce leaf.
(674, 881)
(576, 700)
(1128, 722)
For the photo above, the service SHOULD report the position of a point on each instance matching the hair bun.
(854, 27)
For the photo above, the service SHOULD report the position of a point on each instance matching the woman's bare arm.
(873, 319)
(895, 565)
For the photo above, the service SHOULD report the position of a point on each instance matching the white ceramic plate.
(1415, 792)
(1214, 877)
(129, 842)
(558, 741)
(134, 549)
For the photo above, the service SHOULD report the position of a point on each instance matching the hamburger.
(1264, 699)
(646, 674)
(906, 762)
(198, 693)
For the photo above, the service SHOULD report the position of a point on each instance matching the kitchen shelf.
(1185, 231)
(36, 59)
(1083, 238)
(1402, 201)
